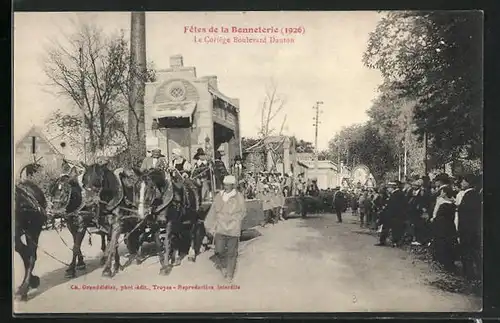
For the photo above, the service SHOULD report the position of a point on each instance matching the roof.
(36, 131)
(305, 156)
(302, 164)
(173, 110)
(280, 140)
(219, 94)
(322, 164)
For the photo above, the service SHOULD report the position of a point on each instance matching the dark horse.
(66, 195)
(103, 192)
(149, 198)
(184, 229)
(30, 216)
(170, 204)
(146, 195)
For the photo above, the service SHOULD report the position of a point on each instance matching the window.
(177, 92)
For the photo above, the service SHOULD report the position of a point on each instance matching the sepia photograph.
(286, 161)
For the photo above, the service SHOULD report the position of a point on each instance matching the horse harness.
(35, 205)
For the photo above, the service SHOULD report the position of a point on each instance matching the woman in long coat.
(444, 230)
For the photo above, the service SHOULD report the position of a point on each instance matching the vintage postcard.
(169, 162)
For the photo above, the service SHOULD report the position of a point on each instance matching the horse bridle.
(64, 201)
(93, 189)
(147, 182)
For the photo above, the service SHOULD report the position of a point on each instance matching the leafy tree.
(393, 117)
(326, 155)
(434, 59)
(302, 146)
(364, 144)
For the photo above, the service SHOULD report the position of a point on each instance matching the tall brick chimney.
(176, 61)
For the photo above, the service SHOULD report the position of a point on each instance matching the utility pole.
(82, 84)
(339, 167)
(316, 125)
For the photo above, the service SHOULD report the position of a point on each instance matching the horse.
(103, 192)
(67, 202)
(173, 205)
(189, 230)
(30, 216)
(146, 196)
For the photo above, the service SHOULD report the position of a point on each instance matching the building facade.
(189, 112)
(326, 173)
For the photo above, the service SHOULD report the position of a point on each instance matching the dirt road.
(299, 265)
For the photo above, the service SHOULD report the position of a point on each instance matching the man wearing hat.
(199, 152)
(416, 208)
(312, 188)
(440, 181)
(156, 160)
(223, 222)
(220, 170)
(287, 185)
(201, 173)
(468, 203)
(339, 203)
(237, 169)
(393, 216)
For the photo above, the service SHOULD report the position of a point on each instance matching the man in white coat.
(223, 222)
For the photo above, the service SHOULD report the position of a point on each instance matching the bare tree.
(271, 107)
(273, 104)
(93, 71)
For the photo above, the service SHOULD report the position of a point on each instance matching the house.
(326, 171)
(35, 148)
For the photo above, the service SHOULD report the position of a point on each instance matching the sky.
(323, 64)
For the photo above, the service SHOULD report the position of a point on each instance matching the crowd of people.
(443, 213)
(267, 182)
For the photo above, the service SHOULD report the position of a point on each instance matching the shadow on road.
(372, 233)
(453, 284)
(309, 216)
(57, 277)
(249, 234)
